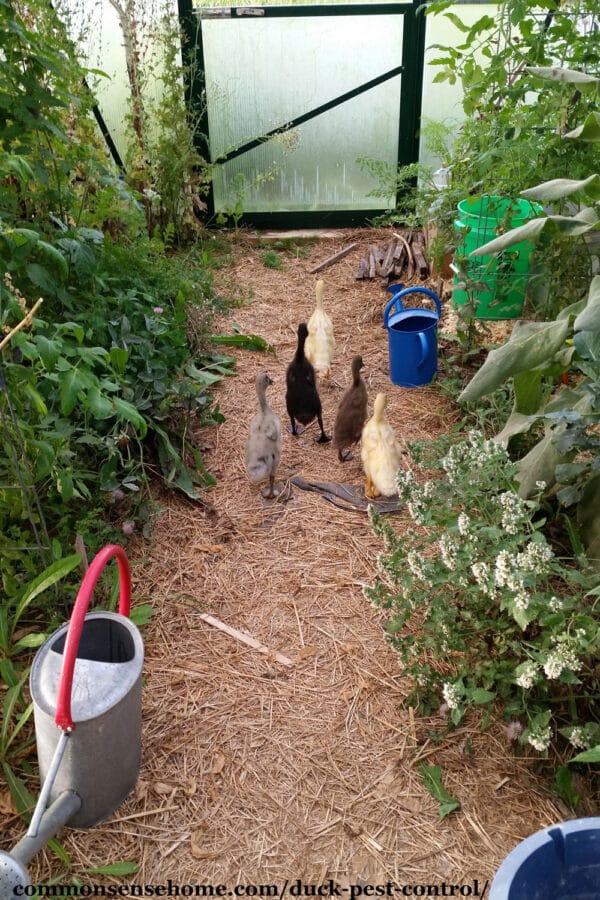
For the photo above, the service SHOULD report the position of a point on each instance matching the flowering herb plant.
(481, 607)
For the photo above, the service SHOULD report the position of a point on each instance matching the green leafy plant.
(432, 781)
(19, 634)
(563, 785)
(537, 354)
(272, 260)
(524, 85)
(243, 341)
(481, 609)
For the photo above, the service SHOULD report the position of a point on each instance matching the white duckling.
(380, 452)
(320, 342)
(263, 446)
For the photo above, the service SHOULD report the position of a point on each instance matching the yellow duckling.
(320, 342)
(263, 446)
(380, 452)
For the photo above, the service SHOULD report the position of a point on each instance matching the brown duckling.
(302, 398)
(351, 414)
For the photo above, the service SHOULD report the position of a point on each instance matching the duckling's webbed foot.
(295, 429)
(324, 439)
(345, 456)
(270, 492)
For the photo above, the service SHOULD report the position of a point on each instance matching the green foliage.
(563, 786)
(481, 609)
(567, 454)
(176, 176)
(100, 388)
(415, 186)
(243, 341)
(234, 209)
(524, 87)
(432, 781)
(272, 260)
(21, 615)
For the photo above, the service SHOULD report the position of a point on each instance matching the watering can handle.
(63, 706)
(397, 298)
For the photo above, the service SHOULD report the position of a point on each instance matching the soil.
(260, 772)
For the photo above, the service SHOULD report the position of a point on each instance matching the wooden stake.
(245, 639)
(333, 259)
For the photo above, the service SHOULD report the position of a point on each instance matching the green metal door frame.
(411, 69)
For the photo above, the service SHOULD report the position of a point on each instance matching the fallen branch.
(333, 259)
(245, 639)
(27, 320)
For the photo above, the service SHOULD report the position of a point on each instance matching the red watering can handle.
(63, 706)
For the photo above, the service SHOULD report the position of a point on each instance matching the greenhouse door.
(297, 98)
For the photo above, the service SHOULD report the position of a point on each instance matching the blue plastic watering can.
(412, 337)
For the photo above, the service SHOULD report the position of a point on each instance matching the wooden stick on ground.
(333, 259)
(245, 639)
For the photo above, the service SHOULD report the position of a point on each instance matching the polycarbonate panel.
(262, 74)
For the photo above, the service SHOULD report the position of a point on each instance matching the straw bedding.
(255, 771)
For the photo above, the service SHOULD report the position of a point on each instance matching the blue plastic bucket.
(561, 862)
(412, 338)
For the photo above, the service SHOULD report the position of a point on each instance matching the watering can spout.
(12, 865)
(58, 814)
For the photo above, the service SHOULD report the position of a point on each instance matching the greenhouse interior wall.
(98, 34)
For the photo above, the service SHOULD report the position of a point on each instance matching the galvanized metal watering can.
(86, 687)
(412, 337)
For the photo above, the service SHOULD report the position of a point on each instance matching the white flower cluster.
(540, 738)
(415, 565)
(464, 524)
(555, 604)
(527, 675)
(471, 455)
(413, 494)
(514, 511)
(560, 658)
(521, 600)
(505, 572)
(451, 695)
(406, 481)
(534, 558)
(482, 575)
(448, 551)
(578, 739)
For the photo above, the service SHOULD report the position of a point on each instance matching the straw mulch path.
(256, 772)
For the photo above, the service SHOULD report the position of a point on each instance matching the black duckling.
(263, 446)
(302, 398)
(351, 414)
